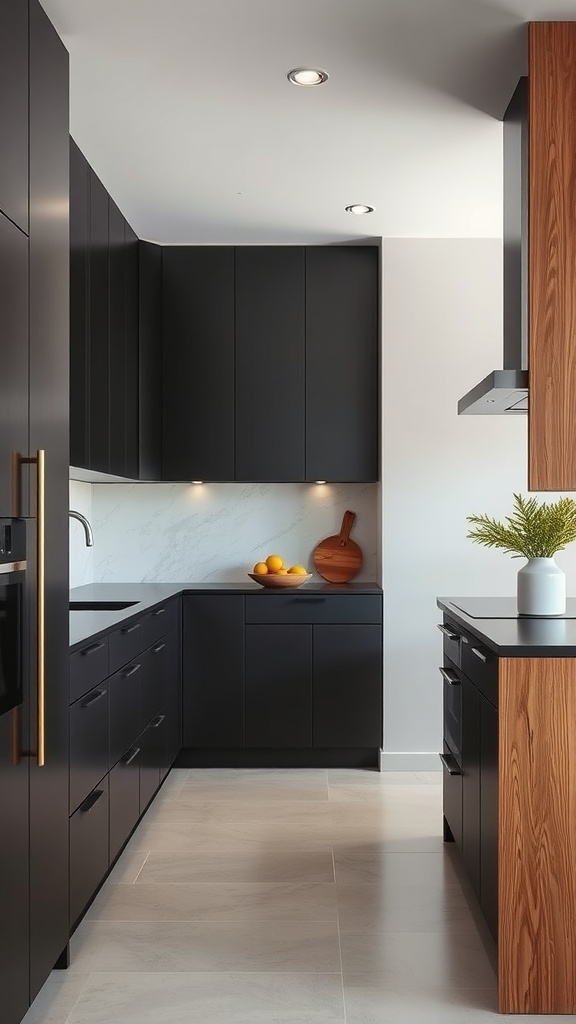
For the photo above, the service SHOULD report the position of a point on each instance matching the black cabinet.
(88, 743)
(117, 340)
(489, 814)
(14, 111)
(14, 372)
(270, 364)
(79, 282)
(14, 871)
(278, 686)
(150, 361)
(131, 396)
(198, 363)
(471, 769)
(347, 685)
(213, 671)
(124, 783)
(89, 854)
(125, 687)
(98, 325)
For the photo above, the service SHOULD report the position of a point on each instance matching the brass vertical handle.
(39, 461)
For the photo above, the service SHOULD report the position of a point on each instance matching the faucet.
(87, 528)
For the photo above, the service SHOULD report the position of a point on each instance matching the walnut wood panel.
(552, 256)
(537, 836)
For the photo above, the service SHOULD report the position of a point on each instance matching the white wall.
(216, 532)
(81, 557)
(442, 305)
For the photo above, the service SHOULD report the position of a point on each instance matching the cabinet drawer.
(125, 645)
(124, 781)
(88, 848)
(452, 795)
(158, 623)
(313, 608)
(88, 743)
(88, 667)
(452, 642)
(481, 667)
(124, 689)
(151, 742)
(156, 670)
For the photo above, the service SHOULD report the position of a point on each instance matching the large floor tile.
(261, 789)
(206, 999)
(418, 960)
(190, 807)
(371, 776)
(56, 998)
(111, 946)
(241, 866)
(297, 901)
(375, 866)
(193, 837)
(128, 867)
(404, 908)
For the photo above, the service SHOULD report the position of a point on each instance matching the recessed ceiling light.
(307, 76)
(359, 208)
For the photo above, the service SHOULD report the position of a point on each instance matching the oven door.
(452, 712)
(12, 578)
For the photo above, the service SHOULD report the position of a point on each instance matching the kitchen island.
(510, 788)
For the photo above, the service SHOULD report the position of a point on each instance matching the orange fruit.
(260, 569)
(274, 563)
(281, 572)
(298, 570)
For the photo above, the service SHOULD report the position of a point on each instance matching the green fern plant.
(532, 531)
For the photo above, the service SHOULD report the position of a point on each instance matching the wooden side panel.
(552, 256)
(537, 836)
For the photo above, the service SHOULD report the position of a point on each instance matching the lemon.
(297, 570)
(274, 563)
(260, 569)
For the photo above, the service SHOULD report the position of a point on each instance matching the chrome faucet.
(87, 528)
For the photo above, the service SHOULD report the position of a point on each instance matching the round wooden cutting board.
(339, 559)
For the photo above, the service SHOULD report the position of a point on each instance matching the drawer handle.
(90, 801)
(450, 677)
(97, 695)
(308, 600)
(479, 654)
(448, 632)
(93, 648)
(450, 764)
(130, 629)
(131, 671)
(157, 721)
(130, 756)
(159, 612)
(156, 650)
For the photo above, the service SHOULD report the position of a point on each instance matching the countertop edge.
(517, 650)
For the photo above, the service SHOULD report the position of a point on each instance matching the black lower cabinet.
(471, 782)
(88, 743)
(89, 856)
(452, 798)
(151, 757)
(279, 686)
(489, 814)
(213, 671)
(14, 870)
(347, 686)
(124, 781)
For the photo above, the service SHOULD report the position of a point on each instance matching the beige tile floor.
(268, 897)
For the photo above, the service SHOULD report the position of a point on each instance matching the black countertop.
(88, 625)
(496, 623)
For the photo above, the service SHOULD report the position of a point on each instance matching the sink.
(100, 606)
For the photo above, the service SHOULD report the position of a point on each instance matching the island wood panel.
(552, 256)
(537, 836)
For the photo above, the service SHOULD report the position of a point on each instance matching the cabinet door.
(117, 329)
(270, 363)
(279, 686)
(198, 371)
(471, 699)
(347, 686)
(342, 363)
(132, 382)
(99, 368)
(89, 848)
(14, 363)
(79, 351)
(150, 360)
(88, 743)
(489, 814)
(213, 671)
(124, 781)
(173, 702)
(49, 430)
(14, 111)
(151, 745)
(14, 866)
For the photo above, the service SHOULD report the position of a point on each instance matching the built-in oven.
(12, 592)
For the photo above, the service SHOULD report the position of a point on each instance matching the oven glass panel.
(10, 646)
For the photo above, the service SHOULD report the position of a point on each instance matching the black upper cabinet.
(342, 423)
(131, 364)
(79, 339)
(14, 372)
(198, 363)
(14, 111)
(117, 336)
(150, 361)
(270, 364)
(98, 319)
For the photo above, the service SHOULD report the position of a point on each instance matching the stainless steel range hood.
(506, 391)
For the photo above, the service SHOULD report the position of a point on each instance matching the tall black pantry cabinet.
(34, 330)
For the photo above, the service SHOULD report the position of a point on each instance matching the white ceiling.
(183, 109)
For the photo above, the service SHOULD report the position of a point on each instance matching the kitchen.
(159, 531)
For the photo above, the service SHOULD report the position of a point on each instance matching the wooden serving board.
(339, 559)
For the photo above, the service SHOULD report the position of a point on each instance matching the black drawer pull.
(97, 695)
(450, 677)
(131, 671)
(450, 764)
(448, 632)
(157, 721)
(93, 648)
(130, 629)
(309, 600)
(156, 650)
(87, 805)
(130, 756)
(479, 654)
(159, 612)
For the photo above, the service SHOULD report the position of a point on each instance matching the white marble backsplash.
(81, 557)
(216, 532)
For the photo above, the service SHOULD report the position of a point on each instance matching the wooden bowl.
(272, 579)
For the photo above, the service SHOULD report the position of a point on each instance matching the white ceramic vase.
(541, 588)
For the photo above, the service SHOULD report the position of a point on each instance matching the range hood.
(506, 391)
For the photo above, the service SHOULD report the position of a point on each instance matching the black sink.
(100, 606)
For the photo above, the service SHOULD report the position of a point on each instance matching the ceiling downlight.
(307, 77)
(359, 208)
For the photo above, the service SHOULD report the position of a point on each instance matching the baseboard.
(409, 761)
(284, 757)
